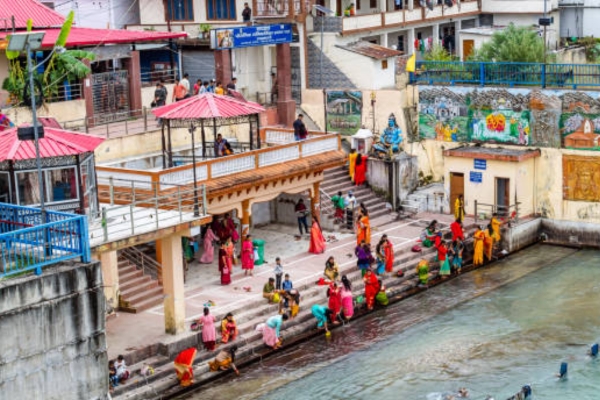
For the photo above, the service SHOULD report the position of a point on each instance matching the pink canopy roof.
(208, 106)
(56, 143)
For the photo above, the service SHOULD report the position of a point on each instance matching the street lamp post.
(196, 208)
(324, 11)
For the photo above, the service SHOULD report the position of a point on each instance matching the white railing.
(435, 13)
(279, 136)
(394, 17)
(471, 6)
(141, 181)
(184, 176)
(361, 22)
(232, 165)
(321, 146)
(414, 15)
(279, 156)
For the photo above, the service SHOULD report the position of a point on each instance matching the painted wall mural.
(546, 118)
(344, 111)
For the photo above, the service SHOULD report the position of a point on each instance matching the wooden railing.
(220, 167)
(283, 135)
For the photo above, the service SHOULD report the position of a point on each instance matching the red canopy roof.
(94, 37)
(23, 10)
(56, 143)
(208, 106)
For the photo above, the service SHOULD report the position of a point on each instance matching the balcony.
(281, 9)
(401, 18)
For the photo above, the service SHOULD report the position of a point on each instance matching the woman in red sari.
(225, 265)
(335, 301)
(388, 249)
(360, 170)
(371, 288)
(184, 366)
(317, 241)
(231, 229)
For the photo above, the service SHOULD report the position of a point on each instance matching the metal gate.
(296, 76)
(110, 96)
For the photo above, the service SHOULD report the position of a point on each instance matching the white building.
(579, 18)
(110, 14)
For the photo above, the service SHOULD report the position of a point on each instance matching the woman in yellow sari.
(229, 329)
(352, 163)
(478, 238)
(488, 242)
(363, 227)
(224, 361)
(495, 230)
(184, 366)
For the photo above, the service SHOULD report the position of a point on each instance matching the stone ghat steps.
(259, 311)
(250, 347)
(138, 291)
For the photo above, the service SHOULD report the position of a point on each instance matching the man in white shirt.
(350, 202)
(186, 83)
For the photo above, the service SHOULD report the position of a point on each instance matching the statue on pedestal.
(391, 138)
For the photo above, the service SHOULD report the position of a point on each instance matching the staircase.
(138, 283)
(337, 180)
(430, 198)
(333, 77)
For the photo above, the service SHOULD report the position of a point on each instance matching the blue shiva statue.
(391, 138)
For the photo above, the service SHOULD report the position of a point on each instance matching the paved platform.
(128, 332)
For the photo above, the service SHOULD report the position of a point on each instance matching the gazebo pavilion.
(207, 111)
(68, 170)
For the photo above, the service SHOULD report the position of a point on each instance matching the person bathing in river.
(335, 302)
(224, 361)
(321, 313)
(347, 299)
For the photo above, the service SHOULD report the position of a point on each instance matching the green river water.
(491, 331)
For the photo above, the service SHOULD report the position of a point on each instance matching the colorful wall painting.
(545, 118)
(581, 178)
(344, 111)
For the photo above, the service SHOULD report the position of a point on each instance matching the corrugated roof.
(56, 143)
(208, 106)
(94, 37)
(371, 50)
(23, 10)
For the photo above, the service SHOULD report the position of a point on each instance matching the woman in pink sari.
(208, 254)
(248, 255)
(224, 265)
(347, 299)
(317, 241)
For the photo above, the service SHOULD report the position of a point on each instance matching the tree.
(512, 44)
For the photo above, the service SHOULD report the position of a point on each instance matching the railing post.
(107, 134)
(104, 224)
(133, 192)
(156, 203)
(131, 218)
(475, 205)
(112, 190)
(87, 126)
(204, 200)
(126, 127)
(482, 74)
(543, 75)
(145, 113)
(179, 203)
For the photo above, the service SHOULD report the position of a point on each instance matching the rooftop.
(498, 154)
(371, 50)
(23, 10)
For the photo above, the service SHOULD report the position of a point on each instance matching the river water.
(491, 331)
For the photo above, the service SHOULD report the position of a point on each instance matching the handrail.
(511, 211)
(147, 264)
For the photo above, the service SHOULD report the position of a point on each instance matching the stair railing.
(147, 264)
(325, 206)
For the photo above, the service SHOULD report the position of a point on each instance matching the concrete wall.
(53, 335)
(100, 14)
(522, 235)
(407, 175)
(571, 56)
(63, 111)
(261, 213)
(552, 31)
(387, 102)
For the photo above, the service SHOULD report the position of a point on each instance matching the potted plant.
(205, 31)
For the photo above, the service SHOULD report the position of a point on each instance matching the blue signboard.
(250, 36)
(479, 163)
(476, 177)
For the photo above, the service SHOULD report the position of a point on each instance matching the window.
(220, 9)
(5, 196)
(60, 184)
(384, 64)
(180, 10)
(373, 4)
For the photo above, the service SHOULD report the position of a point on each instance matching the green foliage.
(204, 28)
(438, 53)
(592, 48)
(512, 44)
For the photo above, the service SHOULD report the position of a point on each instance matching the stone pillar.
(383, 40)
(411, 6)
(110, 277)
(457, 41)
(410, 37)
(383, 6)
(286, 106)
(223, 66)
(245, 218)
(436, 33)
(173, 287)
(132, 64)
(315, 201)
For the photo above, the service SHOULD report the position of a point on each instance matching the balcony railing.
(280, 8)
(27, 244)
(507, 74)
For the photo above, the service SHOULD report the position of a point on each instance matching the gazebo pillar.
(286, 106)
(315, 200)
(245, 218)
(173, 283)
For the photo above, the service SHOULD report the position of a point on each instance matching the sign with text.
(478, 163)
(250, 36)
(476, 177)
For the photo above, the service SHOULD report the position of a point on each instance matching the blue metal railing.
(507, 74)
(28, 245)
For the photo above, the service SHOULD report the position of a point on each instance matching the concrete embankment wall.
(53, 335)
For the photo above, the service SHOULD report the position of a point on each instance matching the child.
(112, 374)
(121, 368)
(442, 249)
(278, 271)
(287, 284)
(457, 249)
(423, 271)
